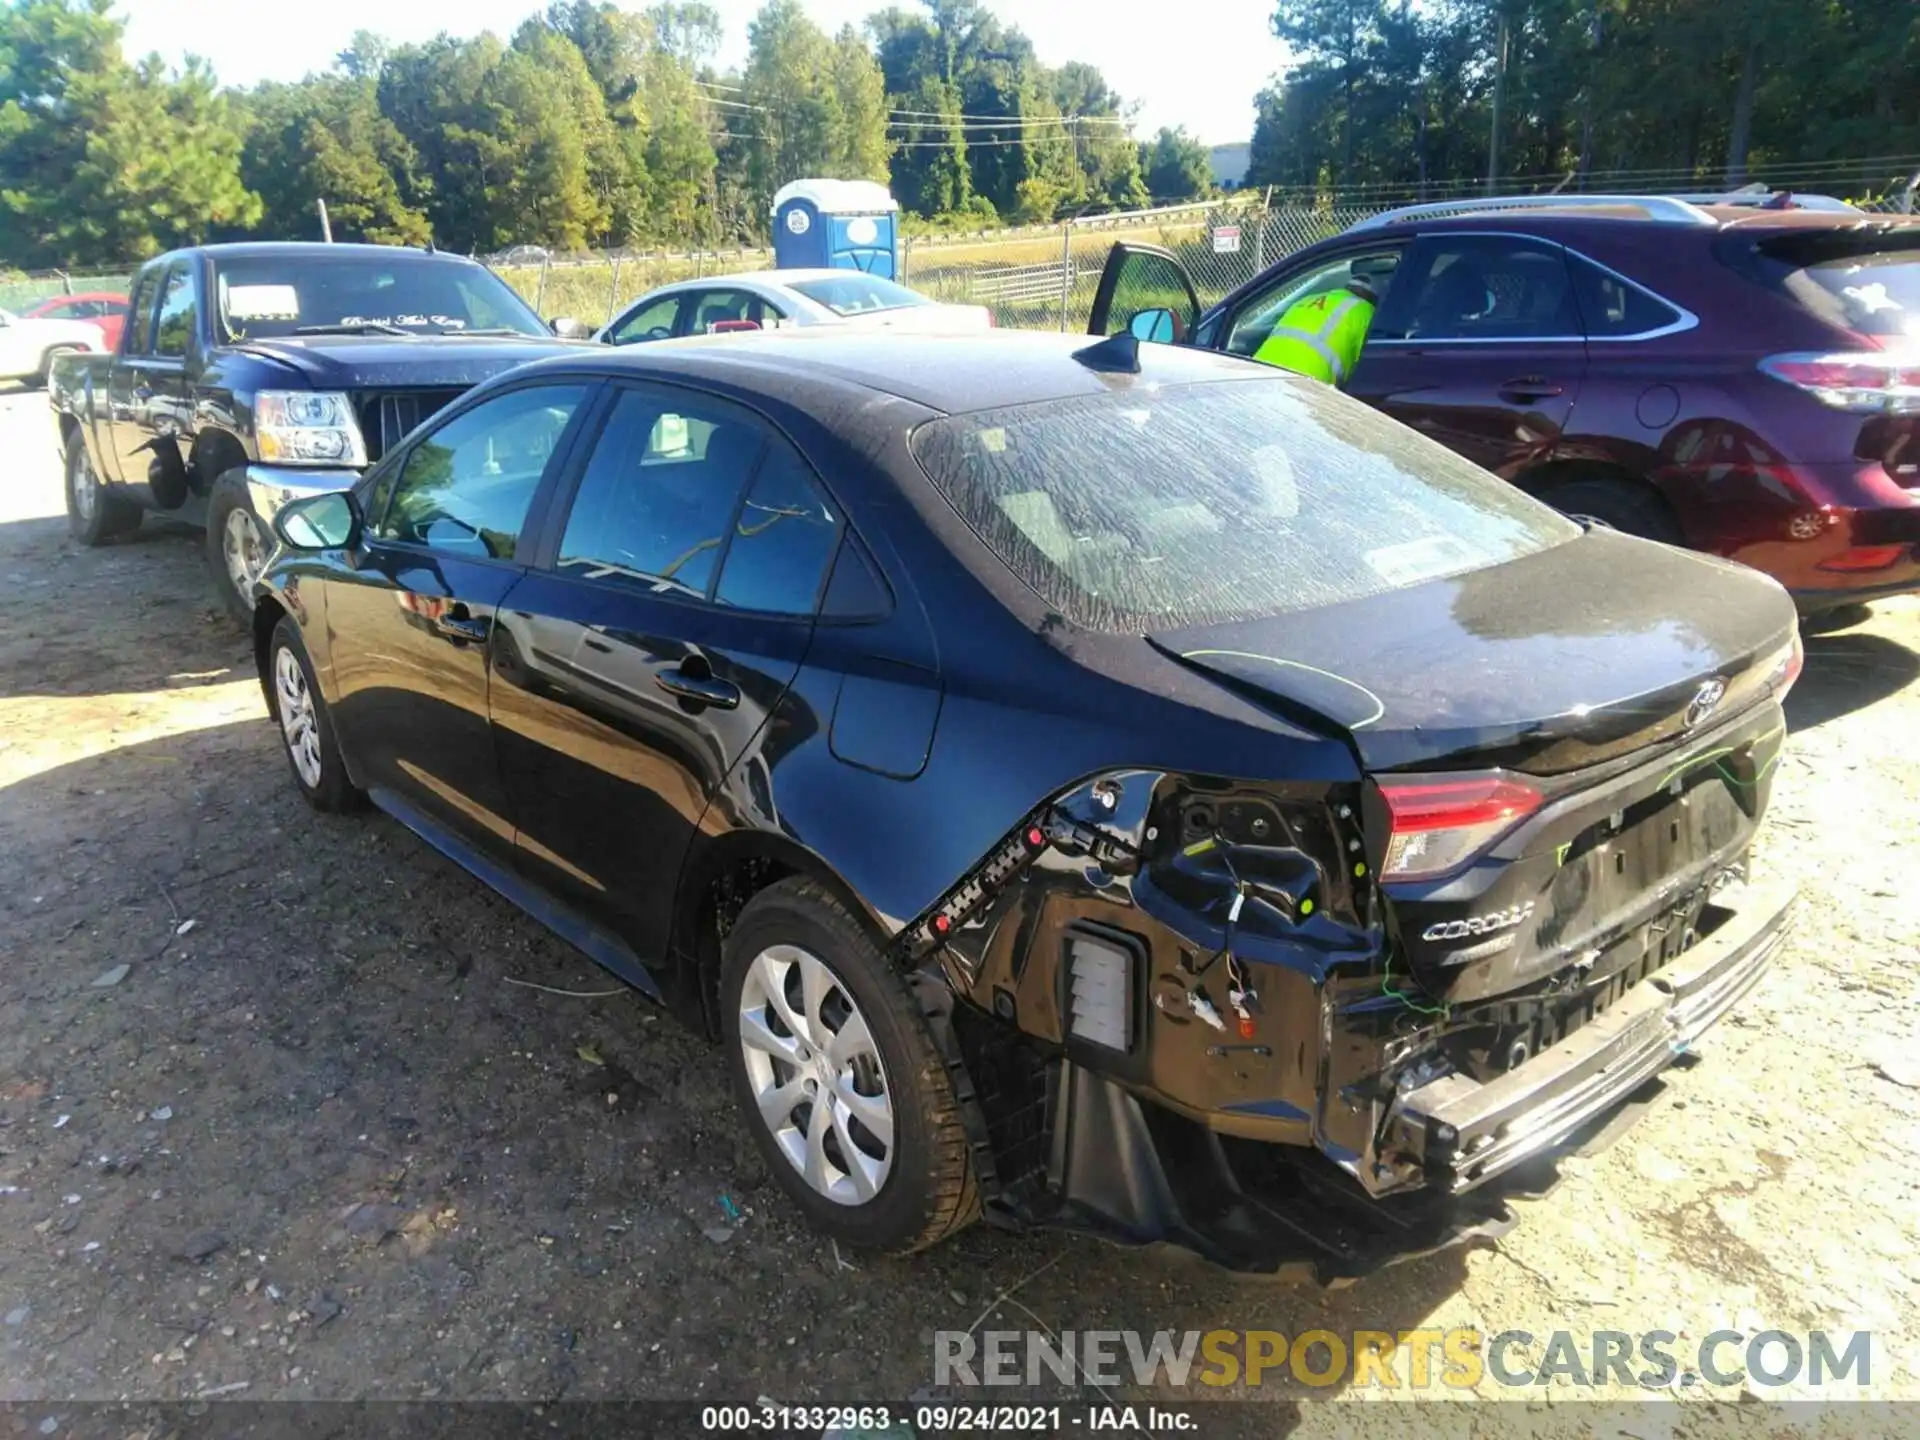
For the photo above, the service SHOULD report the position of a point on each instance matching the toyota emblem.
(1705, 701)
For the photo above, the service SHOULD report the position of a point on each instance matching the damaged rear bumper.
(1463, 1132)
(1368, 1181)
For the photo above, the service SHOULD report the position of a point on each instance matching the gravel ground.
(273, 1110)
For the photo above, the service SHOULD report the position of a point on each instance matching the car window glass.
(173, 329)
(659, 493)
(140, 322)
(466, 487)
(649, 322)
(1613, 307)
(1307, 498)
(716, 311)
(855, 293)
(1253, 322)
(782, 540)
(269, 296)
(1480, 287)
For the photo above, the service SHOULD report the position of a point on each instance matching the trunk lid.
(1546, 664)
(1628, 687)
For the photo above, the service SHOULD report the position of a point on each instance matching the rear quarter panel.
(1691, 411)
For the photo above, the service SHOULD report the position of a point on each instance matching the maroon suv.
(1743, 381)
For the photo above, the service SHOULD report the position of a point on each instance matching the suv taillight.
(1439, 825)
(1859, 380)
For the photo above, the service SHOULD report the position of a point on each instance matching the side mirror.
(568, 328)
(1155, 325)
(318, 522)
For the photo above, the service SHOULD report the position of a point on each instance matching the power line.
(909, 117)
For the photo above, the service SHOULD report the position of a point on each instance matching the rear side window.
(1614, 308)
(1869, 283)
(1240, 498)
(782, 541)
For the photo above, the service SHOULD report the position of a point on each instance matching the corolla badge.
(1478, 924)
(1705, 701)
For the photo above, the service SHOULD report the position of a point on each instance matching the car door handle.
(460, 625)
(699, 689)
(1531, 387)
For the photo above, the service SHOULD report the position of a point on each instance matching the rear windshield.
(307, 292)
(1141, 510)
(1868, 283)
(857, 294)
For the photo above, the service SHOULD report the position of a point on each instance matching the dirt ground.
(274, 1112)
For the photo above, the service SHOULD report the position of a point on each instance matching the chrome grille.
(387, 416)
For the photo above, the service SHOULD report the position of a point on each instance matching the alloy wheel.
(298, 721)
(816, 1074)
(245, 549)
(86, 490)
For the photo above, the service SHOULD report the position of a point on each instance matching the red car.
(105, 311)
(1738, 379)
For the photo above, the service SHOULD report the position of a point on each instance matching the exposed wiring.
(1386, 987)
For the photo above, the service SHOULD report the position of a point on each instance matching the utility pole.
(1499, 91)
(326, 225)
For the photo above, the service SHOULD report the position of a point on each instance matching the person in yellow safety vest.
(1321, 337)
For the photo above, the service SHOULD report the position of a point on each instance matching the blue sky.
(1196, 63)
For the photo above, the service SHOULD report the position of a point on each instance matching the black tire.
(231, 497)
(1843, 615)
(95, 513)
(328, 788)
(1623, 505)
(928, 1192)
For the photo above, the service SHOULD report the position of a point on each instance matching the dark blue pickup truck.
(251, 373)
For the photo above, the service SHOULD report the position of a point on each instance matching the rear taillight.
(1439, 825)
(1787, 664)
(1862, 381)
(1865, 557)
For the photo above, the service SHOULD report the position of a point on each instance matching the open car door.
(1146, 292)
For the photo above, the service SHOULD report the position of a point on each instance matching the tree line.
(1430, 92)
(591, 126)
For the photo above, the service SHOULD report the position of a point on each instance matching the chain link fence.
(1039, 277)
(20, 292)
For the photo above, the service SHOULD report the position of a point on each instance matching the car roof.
(952, 373)
(777, 278)
(82, 295)
(268, 249)
(1587, 219)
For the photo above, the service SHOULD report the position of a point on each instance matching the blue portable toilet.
(837, 225)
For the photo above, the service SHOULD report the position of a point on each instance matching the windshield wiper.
(364, 327)
(499, 330)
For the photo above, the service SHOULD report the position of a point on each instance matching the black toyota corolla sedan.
(1093, 785)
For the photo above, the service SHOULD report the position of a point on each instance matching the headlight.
(308, 427)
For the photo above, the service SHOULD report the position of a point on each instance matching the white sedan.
(27, 346)
(773, 299)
